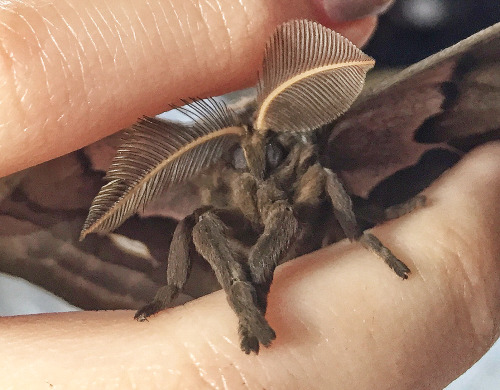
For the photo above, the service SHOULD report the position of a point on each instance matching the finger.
(342, 318)
(74, 71)
(355, 9)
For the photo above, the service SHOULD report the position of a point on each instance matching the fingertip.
(358, 31)
(342, 10)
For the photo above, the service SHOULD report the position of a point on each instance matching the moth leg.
(343, 209)
(404, 208)
(178, 268)
(244, 197)
(342, 205)
(280, 227)
(211, 241)
(310, 186)
(372, 213)
(372, 243)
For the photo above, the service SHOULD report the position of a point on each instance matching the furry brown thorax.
(290, 175)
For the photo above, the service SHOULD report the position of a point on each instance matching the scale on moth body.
(269, 202)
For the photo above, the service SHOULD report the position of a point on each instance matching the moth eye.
(239, 161)
(275, 154)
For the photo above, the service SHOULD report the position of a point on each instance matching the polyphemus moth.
(312, 143)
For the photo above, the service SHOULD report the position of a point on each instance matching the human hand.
(340, 307)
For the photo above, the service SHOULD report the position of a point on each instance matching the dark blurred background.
(414, 29)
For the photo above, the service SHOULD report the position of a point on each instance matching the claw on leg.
(254, 328)
(248, 342)
(163, 297)
(177, 270)
(211, 240)
(373, 244)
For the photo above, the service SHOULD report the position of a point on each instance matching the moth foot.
(162, 299)
(249, 344)
(144, 312)
(373, 244)
(251, 340)
(398, 267)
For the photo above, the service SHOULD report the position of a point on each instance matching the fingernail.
(342, 10)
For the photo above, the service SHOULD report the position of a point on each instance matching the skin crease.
(338, 308)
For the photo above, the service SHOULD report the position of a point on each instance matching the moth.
(269, 195)
(273, 198)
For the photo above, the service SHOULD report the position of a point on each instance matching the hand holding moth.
(343, 320)
(106, 336)
(311, 75)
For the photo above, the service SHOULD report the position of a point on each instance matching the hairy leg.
(244, 191)
(343, 208)
(310, 187)
(342, 205)
(401, 209)
(280, 227)
(211, 241)
(373, 213)
(372, 243)
(178, 267)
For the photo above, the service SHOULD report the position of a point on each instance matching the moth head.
(272, 148)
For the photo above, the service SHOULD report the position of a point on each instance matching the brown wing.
(432, 98)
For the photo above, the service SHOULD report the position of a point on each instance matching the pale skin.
(343, 319)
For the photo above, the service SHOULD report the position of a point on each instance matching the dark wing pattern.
(452, 93)
(311, 75)
(471, 110)
(158, 154)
